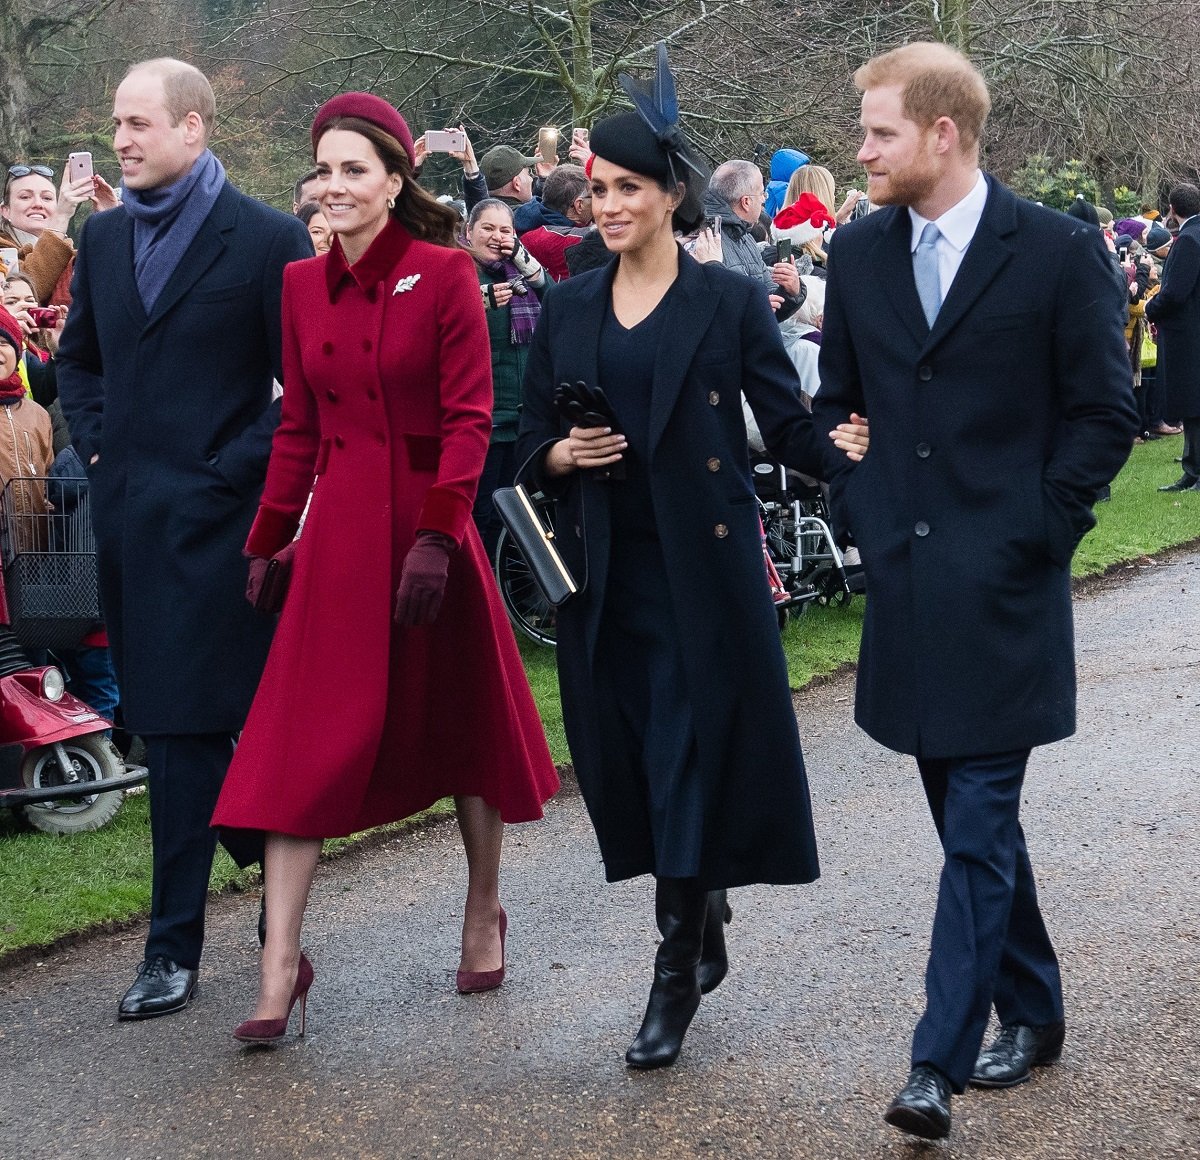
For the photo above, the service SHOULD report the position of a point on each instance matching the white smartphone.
(445, 140)
(79, 166)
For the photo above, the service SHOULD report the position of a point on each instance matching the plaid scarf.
(524, 310)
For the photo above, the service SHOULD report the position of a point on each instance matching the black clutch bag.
(534, 536)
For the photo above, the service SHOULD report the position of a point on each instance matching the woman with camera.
(673, 679)
(511, 283)
(393, 679)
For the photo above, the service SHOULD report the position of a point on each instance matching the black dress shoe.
(1183, 483)
(161, 987)
(922, 1107)
(1017, 1049)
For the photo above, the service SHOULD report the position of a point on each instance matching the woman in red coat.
(394, 679)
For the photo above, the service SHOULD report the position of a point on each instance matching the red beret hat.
(366, 107)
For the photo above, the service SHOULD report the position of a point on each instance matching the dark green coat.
(508, 366)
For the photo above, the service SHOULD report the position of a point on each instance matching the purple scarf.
(524, 310)
(166, 221)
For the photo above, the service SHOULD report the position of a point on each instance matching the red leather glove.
(423, 579)
(266, 587)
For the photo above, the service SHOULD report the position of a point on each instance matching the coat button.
(338, 441)
(328, 348)
(331, 395)
(714, 464)
(925, 373)
(923, 450)
(922, 528)
(367, 345)
(381, 438)
(721, 531)
(714, 397)
(372, 394)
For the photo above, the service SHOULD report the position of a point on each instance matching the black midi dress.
(640, 683)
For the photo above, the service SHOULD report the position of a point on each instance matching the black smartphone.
(713, 223)
(784, 249)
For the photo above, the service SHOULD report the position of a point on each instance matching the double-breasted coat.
(1175, 310)
(751, 792)
(991, 435)
(178, 406)
(388, 404)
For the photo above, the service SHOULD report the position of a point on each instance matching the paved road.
(795, 1056)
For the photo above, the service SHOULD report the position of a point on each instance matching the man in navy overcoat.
(982, 337)
(1175, 310)
(166, 371)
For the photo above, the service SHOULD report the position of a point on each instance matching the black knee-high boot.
(680, 906)
(714, 962)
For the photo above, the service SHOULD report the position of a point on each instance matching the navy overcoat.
(720, 338)
(1175, 310)
(991, 436)
(178, 407)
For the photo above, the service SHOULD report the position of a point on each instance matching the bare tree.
(28, 29)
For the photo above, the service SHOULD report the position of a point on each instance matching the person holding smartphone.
(36, 217)
(665, 733)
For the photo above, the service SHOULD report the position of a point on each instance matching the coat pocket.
(424, 452)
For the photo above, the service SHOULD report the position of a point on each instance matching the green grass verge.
(51, 887)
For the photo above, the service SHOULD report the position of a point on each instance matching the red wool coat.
(388, 403)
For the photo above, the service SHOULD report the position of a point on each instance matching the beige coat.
(26, 449)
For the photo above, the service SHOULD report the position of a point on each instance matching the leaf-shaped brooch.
(406, 283)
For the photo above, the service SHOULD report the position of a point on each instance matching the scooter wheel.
(93, 758)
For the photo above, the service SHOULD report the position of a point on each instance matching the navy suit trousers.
(186, 772)
(989, 943)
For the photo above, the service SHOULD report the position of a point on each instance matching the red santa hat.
(801, 221)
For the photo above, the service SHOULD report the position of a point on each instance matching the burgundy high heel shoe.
(273, 1030)
(472, 982)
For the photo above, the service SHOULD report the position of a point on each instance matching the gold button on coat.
(721, 531)
(714, 397)
(714, 464)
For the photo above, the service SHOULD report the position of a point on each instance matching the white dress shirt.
(957, 227)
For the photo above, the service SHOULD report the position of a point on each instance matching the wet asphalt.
(796, 1055)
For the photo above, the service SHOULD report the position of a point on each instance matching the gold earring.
(391, 203)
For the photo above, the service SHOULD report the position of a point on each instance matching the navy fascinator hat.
(649, 139)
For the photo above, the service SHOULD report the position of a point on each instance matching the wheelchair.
(798, 541)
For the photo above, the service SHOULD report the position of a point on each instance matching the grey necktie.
(925, 271)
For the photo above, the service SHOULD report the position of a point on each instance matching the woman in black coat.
(674, 686)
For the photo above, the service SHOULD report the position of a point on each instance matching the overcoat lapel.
(892, 270)
(125, 283)
(585, 327)
(986, 256)
(689, 315)
(208, 245)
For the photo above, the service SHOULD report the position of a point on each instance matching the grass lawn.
(51, 887)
